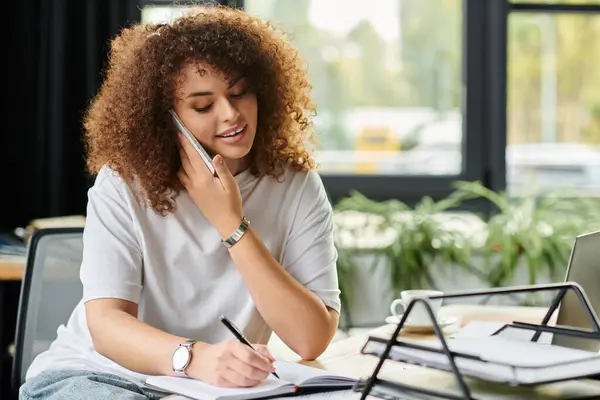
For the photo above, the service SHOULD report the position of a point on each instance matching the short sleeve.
(310, 254)
(112, 260)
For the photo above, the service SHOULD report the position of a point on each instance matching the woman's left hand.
(218, 197)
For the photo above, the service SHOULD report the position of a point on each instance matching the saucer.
(410, 327)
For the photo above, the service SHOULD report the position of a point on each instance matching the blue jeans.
(71, 385)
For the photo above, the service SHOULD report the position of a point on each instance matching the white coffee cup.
(418, 314)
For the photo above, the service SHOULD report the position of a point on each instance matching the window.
(553, 111)
(386, 81)
(384, 105)
(155, 14)
(389, 86)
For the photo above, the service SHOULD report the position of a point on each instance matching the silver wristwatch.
(182, 356)
(237, 235)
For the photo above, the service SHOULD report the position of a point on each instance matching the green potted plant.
(535, 230)
(411, 240)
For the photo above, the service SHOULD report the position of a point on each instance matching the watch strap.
(237, 235)
(180, 374)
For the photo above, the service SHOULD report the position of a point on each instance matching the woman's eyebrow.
(206, 93)
(196, 94)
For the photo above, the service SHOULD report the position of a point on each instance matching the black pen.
(239, 335)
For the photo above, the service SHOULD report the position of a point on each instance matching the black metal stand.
(386, 389)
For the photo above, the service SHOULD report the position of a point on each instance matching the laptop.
(583, 269)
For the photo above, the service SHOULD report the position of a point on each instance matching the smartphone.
(192, 139)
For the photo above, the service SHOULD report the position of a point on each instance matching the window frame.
(484, 109)
(481, 111)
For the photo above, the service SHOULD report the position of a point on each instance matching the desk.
(11, 270)
(343, 357)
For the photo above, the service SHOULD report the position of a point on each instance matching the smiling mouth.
(233, 133)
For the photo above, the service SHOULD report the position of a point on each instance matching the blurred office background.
(459, 140)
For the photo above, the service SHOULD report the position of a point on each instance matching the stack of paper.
(499, 359)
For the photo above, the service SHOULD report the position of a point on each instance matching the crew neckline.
(244, 177)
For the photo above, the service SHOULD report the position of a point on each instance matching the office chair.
(50, 290)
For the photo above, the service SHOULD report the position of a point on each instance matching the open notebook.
(296, 379)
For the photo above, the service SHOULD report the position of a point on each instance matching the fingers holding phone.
(193, 142)
(218, 197)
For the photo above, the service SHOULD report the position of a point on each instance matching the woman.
(170, 247)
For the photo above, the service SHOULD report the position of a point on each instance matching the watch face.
(181, 357)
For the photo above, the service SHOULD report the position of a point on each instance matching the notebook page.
(340, 395)
(297, 373)
(202, 391)
(302, 374)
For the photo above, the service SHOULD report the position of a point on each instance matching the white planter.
(372, 293)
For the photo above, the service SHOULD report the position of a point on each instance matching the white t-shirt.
(179, 273)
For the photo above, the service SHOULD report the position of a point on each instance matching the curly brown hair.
(128, 128)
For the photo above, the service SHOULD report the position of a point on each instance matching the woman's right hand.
(229, 364)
